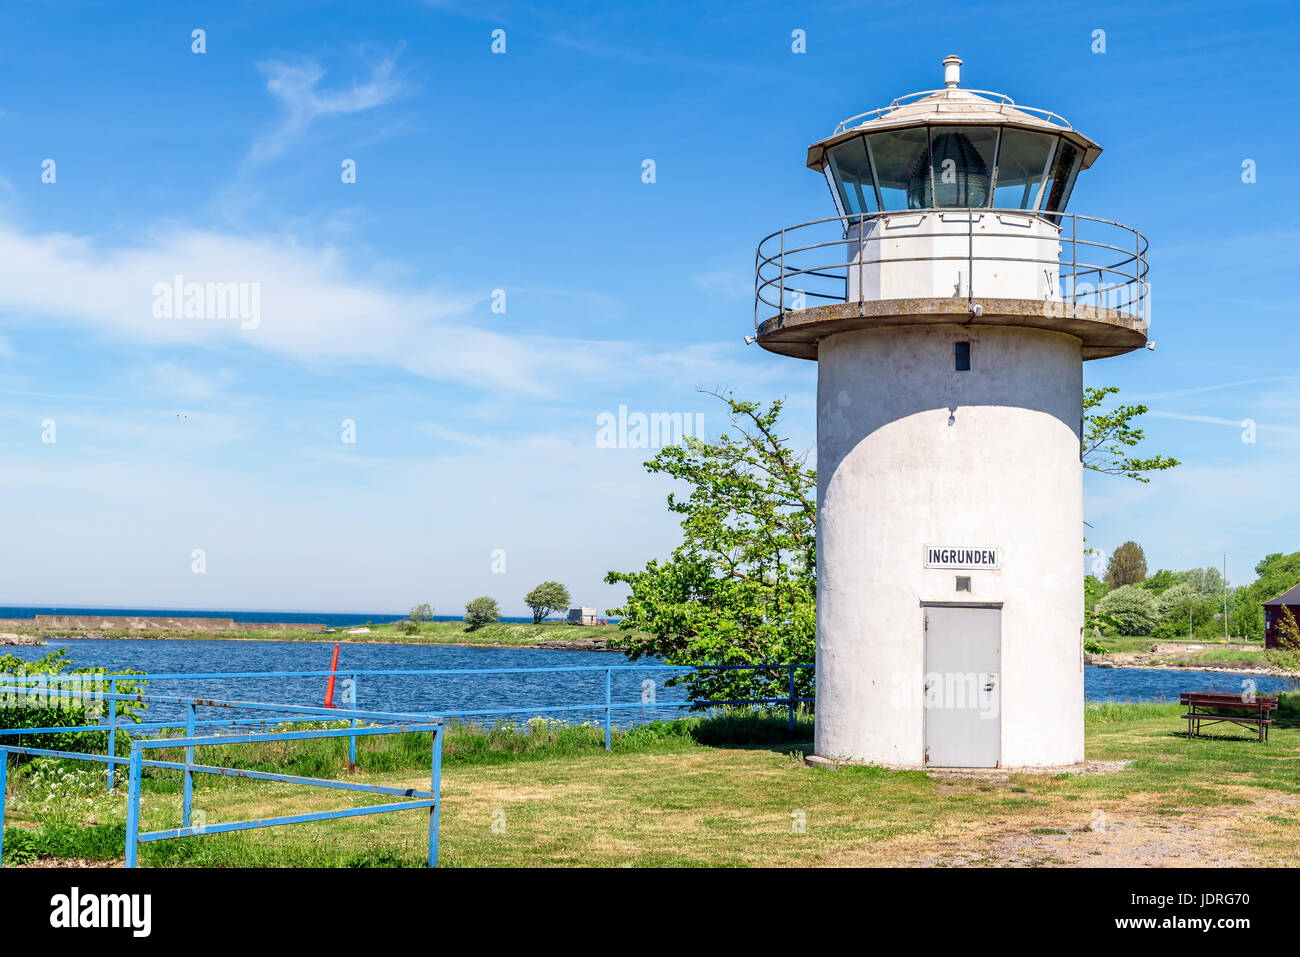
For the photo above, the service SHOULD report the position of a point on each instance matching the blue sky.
(476, 430)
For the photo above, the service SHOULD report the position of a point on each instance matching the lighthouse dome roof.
(953, 106)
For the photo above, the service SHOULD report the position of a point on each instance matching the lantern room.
(953, 149)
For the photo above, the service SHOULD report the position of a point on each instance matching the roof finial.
(951, 71)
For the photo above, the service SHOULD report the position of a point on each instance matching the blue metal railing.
(385, 723)
(286, 714)
(607, 706)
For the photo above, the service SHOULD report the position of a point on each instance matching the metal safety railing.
(19, 692)
(379, 723)
(1097, 262)
(606, 707)
(1003, 103)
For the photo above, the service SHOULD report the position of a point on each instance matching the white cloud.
(296, 86)
(316, 308)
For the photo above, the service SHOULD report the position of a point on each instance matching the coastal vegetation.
(725, 790)
(482, 611)
(548, 597)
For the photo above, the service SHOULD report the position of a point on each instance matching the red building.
(1273, 614)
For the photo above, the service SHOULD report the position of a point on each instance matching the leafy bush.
(481, 611)
(1133, 609)
(1091, 647)
(42, 706)
(422, 613)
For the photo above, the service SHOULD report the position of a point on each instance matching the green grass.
(724, 791)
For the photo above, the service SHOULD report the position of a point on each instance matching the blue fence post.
(608, 700)
(792, 698)
(352, 741)
(4, 770)
(112, 729)
(189, 774)
(435, 782)
(133, 804)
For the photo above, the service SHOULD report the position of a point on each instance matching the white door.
(963, 686)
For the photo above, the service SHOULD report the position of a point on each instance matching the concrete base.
(1086, 767)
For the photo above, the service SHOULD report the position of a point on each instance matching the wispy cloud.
(317, 309)
(1216, 420)
(296, 86)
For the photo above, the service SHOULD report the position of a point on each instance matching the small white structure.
(949, 306)
(582, 616)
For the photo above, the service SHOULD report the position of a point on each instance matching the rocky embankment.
(578, 644)
(12, 638)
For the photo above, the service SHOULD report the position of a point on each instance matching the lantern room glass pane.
(962, 160)
(1065, 167)
(852, 172)
(901, 159)
(1022, 165)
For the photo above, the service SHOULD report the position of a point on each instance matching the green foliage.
(1177, 602)
(1108, 437)
(1091, 647)
(741, 587)
(1127, 565)
(1094, 590)
(1207, 582)
(1133, 610)
(1277, 572)
(482, 611)
(1246, 614)
(1161, 582)
(39, 708)
(545, 598)
(422, 613)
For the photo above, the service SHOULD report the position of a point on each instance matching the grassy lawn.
(717, 792)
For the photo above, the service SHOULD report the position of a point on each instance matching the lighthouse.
(949, 304)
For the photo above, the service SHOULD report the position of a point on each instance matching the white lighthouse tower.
(949, 306)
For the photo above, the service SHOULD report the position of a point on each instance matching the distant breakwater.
(152, 623)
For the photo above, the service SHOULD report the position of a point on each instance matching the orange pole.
(329, 688)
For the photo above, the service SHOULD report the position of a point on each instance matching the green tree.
(422, 613)
(546, 598)
(1207, 582)
(1108, 438)
(1246, 614)
(1176, 602)
(1160, 582)
(1133, 609)
(481, 611)
(1127, 565)
(741, 587)
(1277, 572)
(1094, 590)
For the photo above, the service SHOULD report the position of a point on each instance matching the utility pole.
(1225, 599)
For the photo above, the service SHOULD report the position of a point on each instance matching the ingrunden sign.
(960, 556)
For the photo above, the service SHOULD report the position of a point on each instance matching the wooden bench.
(1209, 707)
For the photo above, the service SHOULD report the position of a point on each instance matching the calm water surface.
(420, 693)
